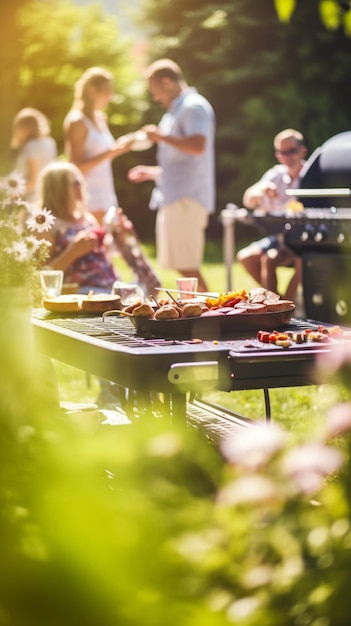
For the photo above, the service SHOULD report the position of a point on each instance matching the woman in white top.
(34, 146)
(88, 141)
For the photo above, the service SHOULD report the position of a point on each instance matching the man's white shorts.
(180, 234)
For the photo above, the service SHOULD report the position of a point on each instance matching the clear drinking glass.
(130, 293)
(185, 285)
(51, 282)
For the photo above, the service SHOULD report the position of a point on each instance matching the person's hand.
(121, 145)
(84, 242)
(139, 174)
(153, 133)
(270, 190)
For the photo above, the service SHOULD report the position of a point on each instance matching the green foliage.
(55, 42)
(261, 75)
(333, 13)
(138, 524)
(284, 9)
(263, 65)
(48, 45)
(54, 58)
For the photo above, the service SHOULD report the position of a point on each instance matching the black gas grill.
(312, 230)
(177, 369)
(322, 237)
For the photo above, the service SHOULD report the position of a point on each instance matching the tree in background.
(260, 74)
(61, 41)
(10, 60)
(54, 43)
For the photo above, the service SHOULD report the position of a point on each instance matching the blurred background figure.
(184, 192)
(89, 144)
(261, 258)
(126, 241)
(34, 148)
(76, 236)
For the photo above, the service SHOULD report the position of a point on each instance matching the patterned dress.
(92, 270)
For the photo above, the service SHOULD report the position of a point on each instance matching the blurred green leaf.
(284, 9)
(346, 19)
(330, 13)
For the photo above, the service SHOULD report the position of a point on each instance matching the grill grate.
(215, 422)
(120, 331)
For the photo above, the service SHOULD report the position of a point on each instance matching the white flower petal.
(253, 447)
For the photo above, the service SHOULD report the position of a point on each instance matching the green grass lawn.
(299, 409)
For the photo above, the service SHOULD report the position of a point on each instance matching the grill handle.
(340, 192)
(191, 375)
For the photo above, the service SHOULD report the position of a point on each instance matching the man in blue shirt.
(184, 192)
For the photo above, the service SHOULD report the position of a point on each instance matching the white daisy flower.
(40, 220)
(33, 244)
(19, 251)
(15, 185)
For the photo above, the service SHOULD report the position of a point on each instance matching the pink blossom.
(330, 364)
(249, 490)
(309, 464)
(338, 421)
(253, 447)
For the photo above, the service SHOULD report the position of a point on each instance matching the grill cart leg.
(178, 406)
(267, 404)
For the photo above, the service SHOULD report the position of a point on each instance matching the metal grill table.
(177, 369)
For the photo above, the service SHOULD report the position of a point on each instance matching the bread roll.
(131, 307)
(192, 310)
(144, 310)
(167, 312)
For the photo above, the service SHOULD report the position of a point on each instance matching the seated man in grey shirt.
(261, 258)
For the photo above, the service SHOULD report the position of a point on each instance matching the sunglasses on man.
(288, 152)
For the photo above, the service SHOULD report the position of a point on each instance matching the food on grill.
(167, 312)
(232, 303)
(131, 307)
(69, 303)
(233, 310)
(78, 303)
(262, 295)
(259, 300)
(227, 299)
(283, 343)
(192, 310)
(144, 310)
(320, 335)
(100, 302)
(216, 312)
(251, 307)
(280, 305)
(177, 307)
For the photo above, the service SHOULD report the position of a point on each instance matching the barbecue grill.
(177, 369)
(321, 233)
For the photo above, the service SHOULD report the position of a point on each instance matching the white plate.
(141, 141)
